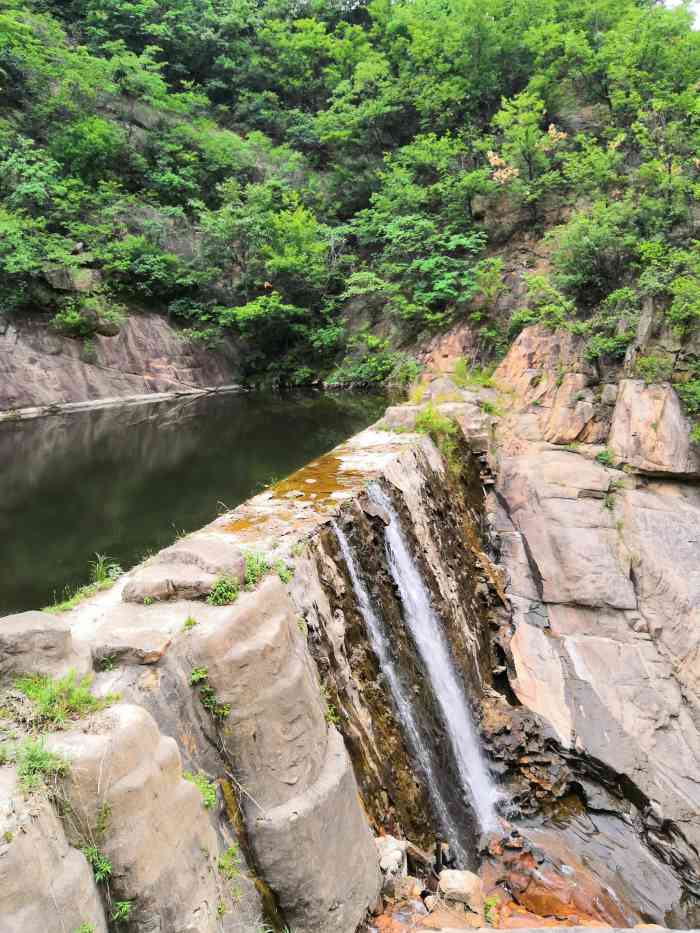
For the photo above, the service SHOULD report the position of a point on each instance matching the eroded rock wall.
(41, 368)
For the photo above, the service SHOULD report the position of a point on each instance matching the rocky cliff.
(41, 368)
(561, 572)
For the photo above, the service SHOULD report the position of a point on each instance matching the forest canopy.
(329, 181)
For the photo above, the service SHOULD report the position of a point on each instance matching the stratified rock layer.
(39, 367)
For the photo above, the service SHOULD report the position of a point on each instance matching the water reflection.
(125, 481)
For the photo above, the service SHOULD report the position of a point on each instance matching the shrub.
(198, 675)
(465, 376)
(56, 701)
(593, 250)
(224, 592)
(121, 911)
(689, 393)
(284, 572)
(100, 864)
(605, 457)
(442, 430)
(104, 570)
(188, 624)
(653, 369)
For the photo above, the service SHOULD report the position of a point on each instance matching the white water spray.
(401, 697)
(428, 636)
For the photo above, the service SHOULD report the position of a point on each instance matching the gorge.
(452, 623)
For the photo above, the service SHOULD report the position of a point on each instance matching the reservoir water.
(125, 481)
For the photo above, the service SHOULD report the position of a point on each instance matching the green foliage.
(443, 430)
(612, 327)
(103, 574)
(189, 624)
(465, 376)
(104, 570)
(37, 766)
(224, 592)
(330, 713)
(490, 906)
(653, 368)
(100, 864)
(605, 457)
(198, 675)
(205, 787)
(85, 928)
(229, 864)
(689, 393)
(121, 911)
(256, 566)
(545, 305)
(57, 701)
(284, 572)
(274, 171)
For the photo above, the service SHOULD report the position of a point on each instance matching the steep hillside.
(330, 183)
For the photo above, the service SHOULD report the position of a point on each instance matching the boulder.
(187, 570)
(45, 883)
(392, 856)
(168, 581)
(39, 643)
(213, 554)
(125, 792)
(464, 887)
(650, 433)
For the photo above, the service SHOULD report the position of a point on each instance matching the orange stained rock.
(318, 481)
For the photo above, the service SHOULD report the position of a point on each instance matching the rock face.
(45, 883)
(126, 794)
(602, 643)
(569, 593)
(41, 368)
(650, 433)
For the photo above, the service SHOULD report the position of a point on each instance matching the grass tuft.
(36, 765)
(56, 701)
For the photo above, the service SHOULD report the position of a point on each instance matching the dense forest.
(260, 168)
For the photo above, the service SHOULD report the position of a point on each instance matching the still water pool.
(126, 481)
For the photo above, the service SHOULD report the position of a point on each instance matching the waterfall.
(401, 698)
(431, 644)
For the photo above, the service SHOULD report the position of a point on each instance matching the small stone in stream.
(464, 887)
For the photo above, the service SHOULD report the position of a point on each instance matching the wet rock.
(38, 643)
(649, 431)
(464, 887)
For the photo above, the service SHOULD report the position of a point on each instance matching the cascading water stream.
(428, 636)
(401, 697)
